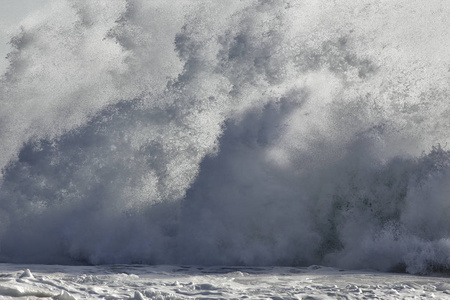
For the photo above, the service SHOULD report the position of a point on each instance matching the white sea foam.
(249, 132)
(195, 282)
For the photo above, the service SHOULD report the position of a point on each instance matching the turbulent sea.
(248, 133)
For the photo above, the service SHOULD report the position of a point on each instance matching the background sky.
(12, 12)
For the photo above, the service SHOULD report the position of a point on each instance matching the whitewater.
(217, 139)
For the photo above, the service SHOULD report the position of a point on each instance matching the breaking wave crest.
(245, 133)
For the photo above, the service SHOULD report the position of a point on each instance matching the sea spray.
(252, 133)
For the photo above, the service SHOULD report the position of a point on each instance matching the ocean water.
(250, 133)
(180, 282)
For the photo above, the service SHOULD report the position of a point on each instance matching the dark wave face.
(237, 133)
